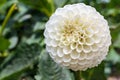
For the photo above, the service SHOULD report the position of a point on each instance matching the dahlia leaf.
(39, 26)
(20, 60)
(96, 73)
(44, 6)
(2, 2)
(113, 56)
(115, 32)
(49, 70)
(61, 3)
(4, 44)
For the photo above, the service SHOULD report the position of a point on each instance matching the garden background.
(22, 48)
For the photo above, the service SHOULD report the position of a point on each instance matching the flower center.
(75, 33)
(71, 33)
(69, 30)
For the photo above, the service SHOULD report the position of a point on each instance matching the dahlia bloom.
(77, 37)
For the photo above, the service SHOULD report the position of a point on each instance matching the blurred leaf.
(79, 1)
(117, 69)
(60, 3)
(114, 3)
(5, 4)
(96, 73)
(25, 17)
(32, 39)
(115, 32)
(102, 1)
(16, 63)
(2, 2)
(117, 42)
(13, 42)
(113, 56)
(45, 6)
(49, 70)
(4, 44)
(39, 26)
(113, 12)
(22, 9)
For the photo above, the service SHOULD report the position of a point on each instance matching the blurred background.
(22, 48)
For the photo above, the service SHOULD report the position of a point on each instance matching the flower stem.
(90, 74)
(77, 75)
(7, 18)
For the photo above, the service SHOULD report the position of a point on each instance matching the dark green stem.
(77, 75)
(7, 18)
(90, 74)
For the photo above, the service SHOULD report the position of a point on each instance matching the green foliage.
(46, 6)
(4, 44)
(39, 26)
(2, 2)
(113, 56)
(49, 70)
(115, 32)
(23, 58)
(96, 73)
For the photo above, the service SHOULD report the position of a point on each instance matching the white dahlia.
(77, 37)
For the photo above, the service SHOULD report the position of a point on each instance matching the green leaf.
(113, 12)
(2, 2)
(96, 73)
(117, 42)
(113, 56)
(22, 10)
(39, 26)
(115, 32)
(32, 39)
(5, 4)
(45, 6)
(60, 3)
(4, 44)
(15, 64)
(49, 70)
(13, 42)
